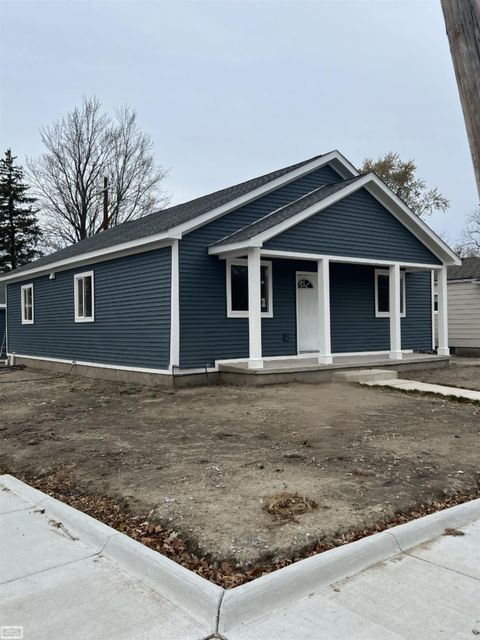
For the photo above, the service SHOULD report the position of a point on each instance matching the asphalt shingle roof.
(162, 221)
(470, 268)
(289, 210)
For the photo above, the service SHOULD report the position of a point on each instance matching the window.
(84, 297)
(237, 289)
(382, 294)
(435, 298)
(27, 304)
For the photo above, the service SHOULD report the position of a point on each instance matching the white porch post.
(254, 309)
(395, 319)
(324, 345)
(442, 348)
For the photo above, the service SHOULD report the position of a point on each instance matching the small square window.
(27, 303)
(382, 294)
(84, 297)
(237, 289)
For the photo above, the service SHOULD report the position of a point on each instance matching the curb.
(427, 528)
(182, 587)
(30, 495)
(221, 611)
(276, 590)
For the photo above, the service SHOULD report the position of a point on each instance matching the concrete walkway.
(424, 387)
(64, 575)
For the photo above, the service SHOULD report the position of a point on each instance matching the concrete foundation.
(121, 375)
(274, 372)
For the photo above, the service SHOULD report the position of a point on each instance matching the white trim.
(442, 349)
(242, 262)
(100, 365)
(380, 192)
(27, 287)
(395, 295)
(323, 275)
(434, 313)
(386, 314)
(254, 310)
(76, 278)
(3, 306)
(175, 307)
(299, 255)
(110, 253)
(334, 158)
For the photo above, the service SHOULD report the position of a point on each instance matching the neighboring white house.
(464, 307)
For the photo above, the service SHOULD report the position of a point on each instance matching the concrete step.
(366, 375)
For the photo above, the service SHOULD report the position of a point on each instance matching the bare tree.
(82, 148)
(470, 245)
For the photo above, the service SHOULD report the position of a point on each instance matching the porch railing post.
(395, 312)
(324, 340)
(254, 309)
(442, 348)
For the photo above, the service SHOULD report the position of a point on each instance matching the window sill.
(386, 314)
(82, 320)
(244, 314)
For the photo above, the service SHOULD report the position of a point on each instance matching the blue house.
(306, 265)
(3, 325)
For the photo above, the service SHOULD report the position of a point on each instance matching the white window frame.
(241, 262)
(386, 314)
(25, 320)
(77, 277)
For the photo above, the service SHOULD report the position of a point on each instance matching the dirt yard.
(465, 376)
(205, 462)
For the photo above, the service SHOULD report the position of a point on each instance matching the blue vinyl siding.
(2, 332)
(354, 326)
(357, 226)
(132, 314)
(206, 334)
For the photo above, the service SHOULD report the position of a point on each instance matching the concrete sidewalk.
(64, 575)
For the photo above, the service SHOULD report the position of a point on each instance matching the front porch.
(308, 369)
(342, 311)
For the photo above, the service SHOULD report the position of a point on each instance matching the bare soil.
(206, 463)
(466, 377)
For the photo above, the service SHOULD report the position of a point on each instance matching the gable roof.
(171, 223)
(468, 270)
(282, 219)
(284, 213)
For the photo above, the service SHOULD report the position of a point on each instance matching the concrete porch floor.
(304, 369)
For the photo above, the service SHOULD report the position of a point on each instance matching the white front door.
(307, 312)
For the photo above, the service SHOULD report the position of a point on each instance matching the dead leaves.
(227, 573)
(285, 505)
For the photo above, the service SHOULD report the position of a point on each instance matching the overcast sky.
(229, 90)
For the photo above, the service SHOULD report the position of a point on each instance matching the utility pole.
(462, 19)
(105, 203)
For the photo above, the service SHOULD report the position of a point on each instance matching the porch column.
(324, 345)
(254, 309)
(442, 348)
(395, 319)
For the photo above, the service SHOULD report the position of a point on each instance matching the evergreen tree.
(19, 229)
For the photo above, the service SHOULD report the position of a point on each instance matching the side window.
(237, 288)
(27, 304)
(382, 294)
(84, 297)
